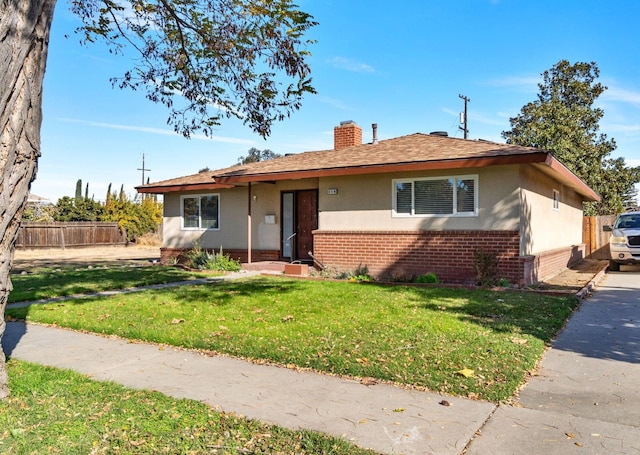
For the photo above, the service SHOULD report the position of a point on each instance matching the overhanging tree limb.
(239, 58)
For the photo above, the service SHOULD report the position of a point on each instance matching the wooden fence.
(595, 237)
(69, 235)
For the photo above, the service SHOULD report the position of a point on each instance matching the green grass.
(45, 283)
(57, 411)
(422, 336)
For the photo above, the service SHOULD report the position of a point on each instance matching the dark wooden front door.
(299, 219)
(307, 222)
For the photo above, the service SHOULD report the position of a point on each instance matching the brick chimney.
(346, 135)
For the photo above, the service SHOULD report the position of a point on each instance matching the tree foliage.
(203, 59)
(244, 58)
(134, 216)
(254, 155)
(564, 121)
(77, 209)
(39, 213)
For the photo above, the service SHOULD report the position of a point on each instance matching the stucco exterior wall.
(365, 202)
(232, 234)
(542, 227)
(516, 220)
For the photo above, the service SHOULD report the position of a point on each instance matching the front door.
(299, 219)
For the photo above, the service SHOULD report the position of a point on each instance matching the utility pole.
(143, 169)
(463, 117)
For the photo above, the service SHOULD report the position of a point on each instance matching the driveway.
(585, 398)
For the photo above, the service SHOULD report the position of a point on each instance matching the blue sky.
(399, 64)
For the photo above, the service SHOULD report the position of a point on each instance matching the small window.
(556, 200)
(441, 196)
(200, 211)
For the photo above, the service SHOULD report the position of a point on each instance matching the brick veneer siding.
(448, 254)
(402, 254)
(550, 263)
(167, 254)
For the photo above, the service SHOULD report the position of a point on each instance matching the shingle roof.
(412, 152)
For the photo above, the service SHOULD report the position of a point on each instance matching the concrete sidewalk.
(385, 418)
(584, 400)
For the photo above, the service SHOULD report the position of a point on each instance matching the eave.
(150, 189)
(544, 160)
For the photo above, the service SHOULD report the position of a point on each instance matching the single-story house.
(401, 207)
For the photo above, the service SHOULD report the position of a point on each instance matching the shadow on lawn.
(541, 316)
(221, 293)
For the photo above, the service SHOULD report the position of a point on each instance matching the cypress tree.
(78, 190)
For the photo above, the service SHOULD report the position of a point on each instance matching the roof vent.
(439, 133)
(374, 126)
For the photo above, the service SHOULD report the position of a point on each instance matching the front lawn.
(464, 342)
(45, 283)
(57, 411)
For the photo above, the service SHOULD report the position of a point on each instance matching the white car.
(625, 241)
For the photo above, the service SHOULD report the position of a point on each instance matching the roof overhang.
(560, 172)
(542, 160)
(161, 189)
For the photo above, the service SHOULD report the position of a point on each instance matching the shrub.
(428, 278)
(485, 266)
(200, 259)
(331, 273)
(361, 273)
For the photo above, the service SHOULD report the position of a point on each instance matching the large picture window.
(439, 196)
(200, 211)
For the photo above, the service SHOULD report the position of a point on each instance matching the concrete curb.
(586, 291)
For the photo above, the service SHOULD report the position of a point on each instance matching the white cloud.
(351, 65)
(617, 94)
(619, 128)
(158, 131)
(338, 104)
(527, 83)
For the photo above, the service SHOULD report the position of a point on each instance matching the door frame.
(289, 223)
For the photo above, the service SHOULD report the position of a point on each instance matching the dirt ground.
(141, 255)
(576, 277)
(571, 279)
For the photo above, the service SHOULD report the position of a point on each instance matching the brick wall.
(550, 263)
(346, 135)
(403, 254)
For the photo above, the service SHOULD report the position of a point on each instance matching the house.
(37, 200)
(403, 206)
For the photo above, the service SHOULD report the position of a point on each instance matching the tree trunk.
(24, 41)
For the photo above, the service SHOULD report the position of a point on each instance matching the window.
(556, 200)
(200, 211)
(440, 196)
